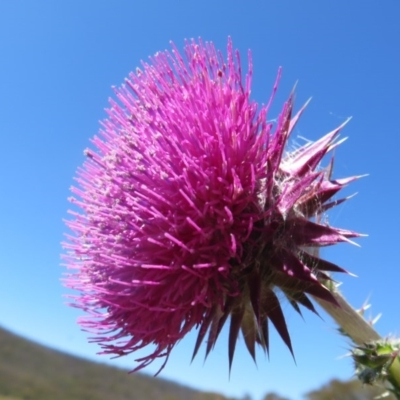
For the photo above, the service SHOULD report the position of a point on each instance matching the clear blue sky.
(58, 61)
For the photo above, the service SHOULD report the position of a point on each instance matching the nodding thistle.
(194, 211)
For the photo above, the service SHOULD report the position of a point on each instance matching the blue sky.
(58, 61)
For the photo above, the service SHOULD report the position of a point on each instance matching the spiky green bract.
(375, 363)
(193, 211)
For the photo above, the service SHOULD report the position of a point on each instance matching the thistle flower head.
(194, 211)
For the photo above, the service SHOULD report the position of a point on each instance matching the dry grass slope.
(29, 371)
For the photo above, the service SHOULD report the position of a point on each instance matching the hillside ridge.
(32, 371)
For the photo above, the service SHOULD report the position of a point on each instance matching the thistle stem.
(349, 320)
(358, 329)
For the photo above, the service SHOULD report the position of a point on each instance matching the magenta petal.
(308, 157)
(308, 233)
(320, 264)
(292, 192)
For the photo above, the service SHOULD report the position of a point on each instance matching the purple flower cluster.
(193, 211)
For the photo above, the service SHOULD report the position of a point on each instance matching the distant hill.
(29, 371)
